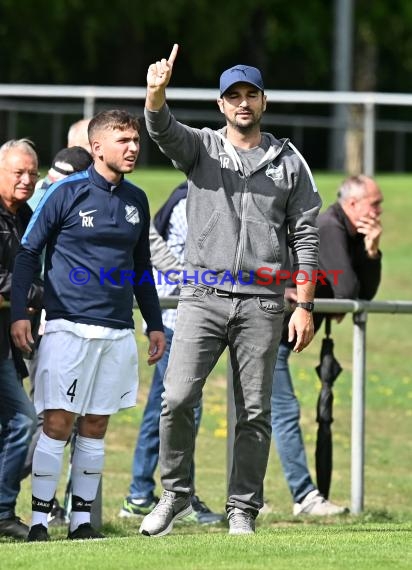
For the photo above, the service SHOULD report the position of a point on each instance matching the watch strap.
(308, 306)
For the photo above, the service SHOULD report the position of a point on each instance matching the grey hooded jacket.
(238, 223)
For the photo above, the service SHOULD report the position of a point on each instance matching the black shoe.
(38, 533)
(202, 514)
(84, 532)
(13, 527)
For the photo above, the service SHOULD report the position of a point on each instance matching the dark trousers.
(18, 422)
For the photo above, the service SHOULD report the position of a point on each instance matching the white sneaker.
(315, 504)
(241, 522)
(172, 506)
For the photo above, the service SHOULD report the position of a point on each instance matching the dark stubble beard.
(249, 128)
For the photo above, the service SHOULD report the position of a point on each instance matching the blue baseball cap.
(241, 73)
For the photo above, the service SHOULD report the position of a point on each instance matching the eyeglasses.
(18, 174)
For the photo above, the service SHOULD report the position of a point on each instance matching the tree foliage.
(91, 42)
(95, 42)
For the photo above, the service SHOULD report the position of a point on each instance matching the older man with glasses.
(18, 176)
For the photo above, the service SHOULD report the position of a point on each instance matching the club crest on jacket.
(132, 215)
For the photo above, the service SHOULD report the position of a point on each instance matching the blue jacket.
(97, 254)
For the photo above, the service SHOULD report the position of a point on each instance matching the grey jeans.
(206, 324)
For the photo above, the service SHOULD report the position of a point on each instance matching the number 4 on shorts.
(72, 390)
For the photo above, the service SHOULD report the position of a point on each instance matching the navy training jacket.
(97, 254)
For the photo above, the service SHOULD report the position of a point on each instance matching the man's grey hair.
(77, 130)
(24, 145)
(353, 187)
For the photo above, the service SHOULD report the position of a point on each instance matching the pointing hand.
(159, 73)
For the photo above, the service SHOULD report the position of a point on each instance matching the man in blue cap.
(250, 197)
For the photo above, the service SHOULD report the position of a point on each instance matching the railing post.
(369, 128)
(96, 514)
(89, 106)
(358, 412)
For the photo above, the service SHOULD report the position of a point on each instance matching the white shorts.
(86, 375)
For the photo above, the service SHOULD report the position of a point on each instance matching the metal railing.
(360, 310)
(89, 95)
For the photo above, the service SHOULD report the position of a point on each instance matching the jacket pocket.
(213, 220)
(213, 245)
(261, 245)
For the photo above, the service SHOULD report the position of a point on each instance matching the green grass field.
(378, 538)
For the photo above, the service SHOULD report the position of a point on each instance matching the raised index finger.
(173, 54)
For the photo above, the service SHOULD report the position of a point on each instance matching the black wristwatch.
(308, 306)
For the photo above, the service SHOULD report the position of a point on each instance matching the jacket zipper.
(241, 243)
(111, 206)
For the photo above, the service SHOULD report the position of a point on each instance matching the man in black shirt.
(18, 175)
(350, 268)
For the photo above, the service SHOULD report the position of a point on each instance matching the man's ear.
(220, 104)
(352, 201)
(96, 148)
